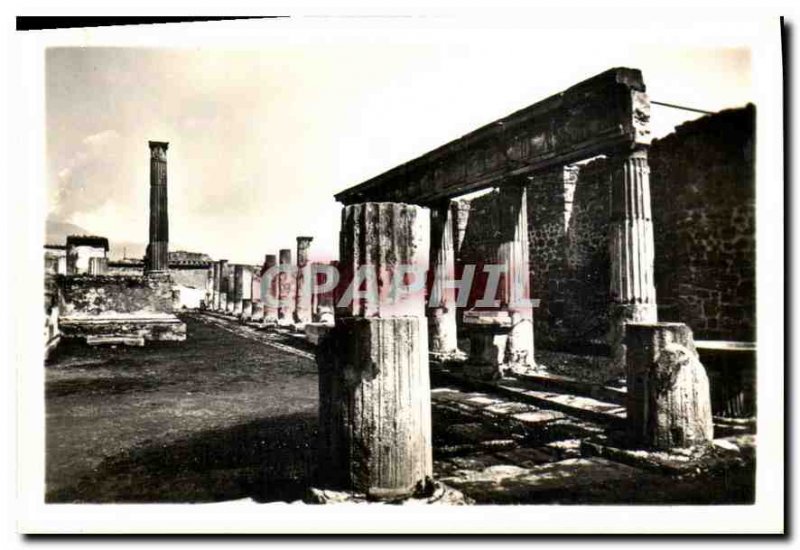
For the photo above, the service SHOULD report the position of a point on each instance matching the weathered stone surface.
(157, 256)
(270, 289)
(375, 425)
(87, 295)
(668, 400)
(150, 327)
(605, 113)
(633, 291)
(381, 241)
(375, 418)
(303, 309)
(287, 288)
(247, 310)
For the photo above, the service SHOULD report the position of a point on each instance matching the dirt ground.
(231, 413)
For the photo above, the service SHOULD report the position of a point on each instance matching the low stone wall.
(89, 296)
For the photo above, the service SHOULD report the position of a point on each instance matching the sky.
(261, 139)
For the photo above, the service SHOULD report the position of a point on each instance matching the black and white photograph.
(477, 274)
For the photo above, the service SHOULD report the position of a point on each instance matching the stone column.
(668, 399)
(247, 293)
(223, 286)
(238, 289)
(157, 255)
(230, 298)
(441, 312)
(215, 288)
(303, 310)
(631, 249)
(375, 423)
(270, 286)
(258, 312)
(513, 253)
(286, 288)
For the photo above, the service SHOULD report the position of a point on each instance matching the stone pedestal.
(258, 312)
(488, 333)
(287, 297)
(303, 310)
(247, 310)
(375, 424)
(441, 313)
(631, 250)
(668, 400)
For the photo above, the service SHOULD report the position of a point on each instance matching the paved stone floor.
(231, 414)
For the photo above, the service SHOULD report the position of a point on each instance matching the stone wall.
(192, 277)
(703, 192)
(84, 295)
(703, 201)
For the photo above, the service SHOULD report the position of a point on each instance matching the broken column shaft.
(157, 256)
(631, 249)
(668, 398)
(303, 309)
(375, 424)
(222, 298)
(287, 288)
(269, 285)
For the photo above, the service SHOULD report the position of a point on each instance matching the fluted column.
(631, 250)
(269, 285)
(441, 312)
(157, 256)
(303, 310)
(286, 288)
(668, 401)
(375, 424)
(513, 254)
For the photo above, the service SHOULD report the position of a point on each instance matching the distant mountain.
(56, 232)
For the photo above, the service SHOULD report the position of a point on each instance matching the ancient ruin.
(520, 271)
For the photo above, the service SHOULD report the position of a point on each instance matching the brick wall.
(703, 192)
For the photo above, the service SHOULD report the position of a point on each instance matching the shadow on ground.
(267, 460)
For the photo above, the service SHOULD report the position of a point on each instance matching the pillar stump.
(247, 310)
(631, 250)
(375, 423)
(286, 288)
(269, 289)
(238, 289)
(258, 312)
(441, 312)
(303, 310)
(668, 400)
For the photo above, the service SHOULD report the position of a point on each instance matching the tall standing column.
(286, 288)
(303, 310)
(157, 256)
(631, 249)
(375, 423)
(513, 254)
(442, 309)
(269, 285)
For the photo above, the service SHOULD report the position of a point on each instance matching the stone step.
(566, 384)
